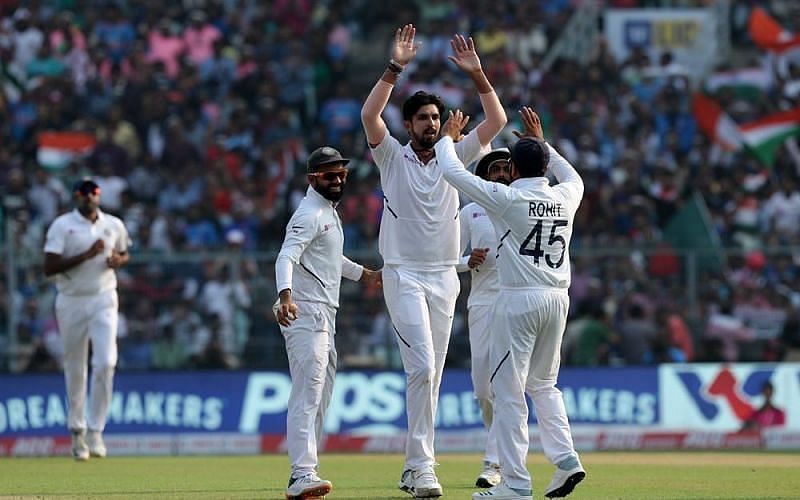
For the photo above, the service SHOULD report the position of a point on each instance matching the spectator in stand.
(199, 38)
(767, 415)
(166, 46)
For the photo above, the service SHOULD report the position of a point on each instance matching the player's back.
(534, 235)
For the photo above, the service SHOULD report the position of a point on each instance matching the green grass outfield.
(615, 475)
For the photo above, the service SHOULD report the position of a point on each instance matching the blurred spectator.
(637, 333)
(204, 111)
(767, 415)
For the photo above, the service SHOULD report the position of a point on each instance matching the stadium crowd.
(203, 113)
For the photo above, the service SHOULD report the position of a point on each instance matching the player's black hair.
(530, 156)
(419, 99)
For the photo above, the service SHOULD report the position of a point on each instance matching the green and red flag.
(765, 136)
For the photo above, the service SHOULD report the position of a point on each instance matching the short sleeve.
(54, 240)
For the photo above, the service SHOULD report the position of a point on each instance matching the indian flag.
(769, 35)
(716, 124)
(764, 137)
(57, 149)
(745, 82)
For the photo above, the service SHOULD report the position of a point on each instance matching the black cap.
(530, 156)
(482, 168)
(85, 186)
(324, 156)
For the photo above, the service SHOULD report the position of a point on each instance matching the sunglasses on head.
(332, 175)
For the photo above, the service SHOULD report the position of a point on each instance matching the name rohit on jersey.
(545, 209)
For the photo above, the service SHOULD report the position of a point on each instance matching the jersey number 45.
(536, 236)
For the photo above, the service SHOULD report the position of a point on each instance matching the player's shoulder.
(63, 219)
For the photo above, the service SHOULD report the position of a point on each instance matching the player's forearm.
(377, 99)
(351, 270)
(471, 185)
(481, 81)
(55, 264)
(283, 272)
(561, 168)
(495, 119)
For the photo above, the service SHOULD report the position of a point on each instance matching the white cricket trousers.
(421, 304)
(312, 365)
(84, 319)
(480, 338)
(526, 355)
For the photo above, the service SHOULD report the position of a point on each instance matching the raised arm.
(490, 195)
(403, 51)
(568, 178)
(466, 58)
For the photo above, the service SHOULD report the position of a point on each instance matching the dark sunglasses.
(332, 175)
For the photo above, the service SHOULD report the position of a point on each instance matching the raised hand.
(404, 48)
(531, 122)
(455, 124)
(464, 54)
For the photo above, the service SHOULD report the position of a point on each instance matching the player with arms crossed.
(309, 270)
(533, 222)
(419, 239)
(478, 233)
(83, 248)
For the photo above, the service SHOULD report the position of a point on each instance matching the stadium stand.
(195, 118)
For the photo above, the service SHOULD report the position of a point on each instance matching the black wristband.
(394, 67)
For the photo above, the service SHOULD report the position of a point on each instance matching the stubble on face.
(425, 127)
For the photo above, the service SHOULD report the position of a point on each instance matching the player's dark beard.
(331, 195)
(425, 143)
(504, 180)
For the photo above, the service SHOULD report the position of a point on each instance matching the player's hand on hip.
(531, 122)
(454, 126)
(286, 313)
(404, 49)
(464, 54)
(477, 257)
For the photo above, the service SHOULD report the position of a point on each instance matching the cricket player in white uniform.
(308, 271)
(419, 239)
(533, 222)
(478, 234)
(83, 248)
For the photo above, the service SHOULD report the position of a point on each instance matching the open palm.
(404, 48)
(464, 54)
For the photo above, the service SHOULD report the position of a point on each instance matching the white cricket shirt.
(532, 220)
(311, 262)
(477, 232)
(71, 234)
(419, 227)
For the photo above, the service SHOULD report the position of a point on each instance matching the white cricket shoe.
(564, 482)
(489, 476)
(97, 448)
(307, 487)
(80, 451)
(502, 492)
(421, 483)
